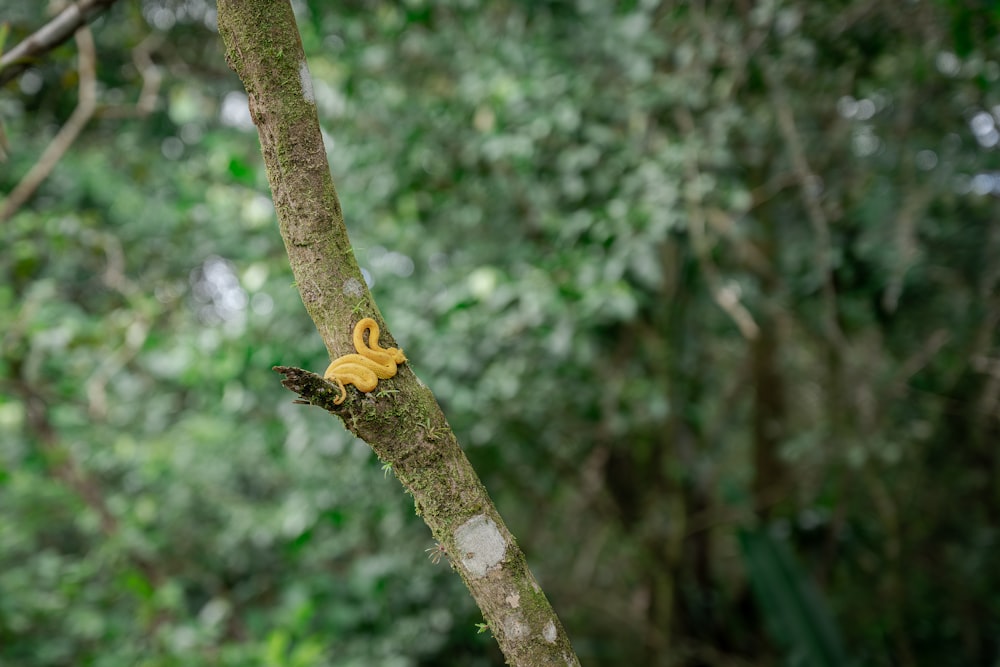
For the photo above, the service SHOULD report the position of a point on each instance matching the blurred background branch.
(71, 16)
(87, 102)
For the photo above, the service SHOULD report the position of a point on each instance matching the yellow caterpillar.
(368, 366)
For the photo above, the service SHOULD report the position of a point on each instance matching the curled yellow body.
(364, 369)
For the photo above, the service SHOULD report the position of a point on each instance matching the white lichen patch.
(352, 287)
(480, 544)
(514, 600)
(549, 632)
(515, 627)
(307, 84)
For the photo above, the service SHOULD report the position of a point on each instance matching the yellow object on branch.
(371, 363)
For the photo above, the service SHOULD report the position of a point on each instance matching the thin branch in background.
(49, 36)
(772, 188)
(907, 247)
(919, 360)
(67, 134)
(152, 77)
(727, 297)
(809, 187)
(62, 464)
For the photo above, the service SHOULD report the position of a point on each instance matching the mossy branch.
(311, 388)
(402, 422)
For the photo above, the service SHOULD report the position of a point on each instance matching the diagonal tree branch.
(67, 134)
(402, 422)
(49, 36)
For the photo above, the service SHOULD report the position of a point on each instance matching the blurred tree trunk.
(769, 412)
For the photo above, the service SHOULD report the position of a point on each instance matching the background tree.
(714, 285)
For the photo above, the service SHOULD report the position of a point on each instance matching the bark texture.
(402, 423)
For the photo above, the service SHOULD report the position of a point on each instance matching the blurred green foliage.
(709, 292)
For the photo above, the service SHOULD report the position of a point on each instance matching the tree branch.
(726, 297)
(67, 133)
(809, 188)
(404, 426)
(49, 36)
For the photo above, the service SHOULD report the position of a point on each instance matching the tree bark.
(404, 426)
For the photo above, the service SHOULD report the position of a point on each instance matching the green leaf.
(795, 612)
(277, 648)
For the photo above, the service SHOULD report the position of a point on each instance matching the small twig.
(67, 134)
(49, 36)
